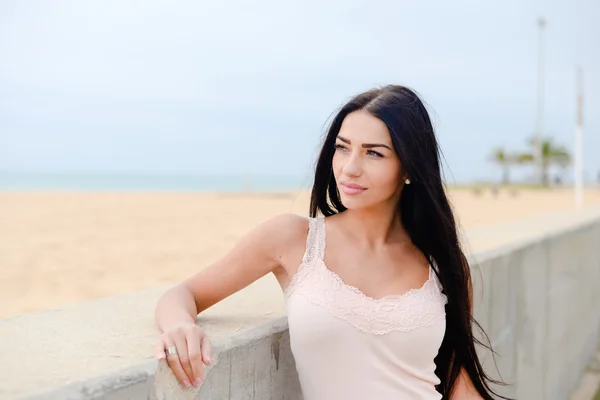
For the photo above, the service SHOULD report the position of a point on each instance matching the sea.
(71, 181)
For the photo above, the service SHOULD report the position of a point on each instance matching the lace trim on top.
(414, 309)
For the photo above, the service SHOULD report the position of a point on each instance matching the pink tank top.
(349, 346)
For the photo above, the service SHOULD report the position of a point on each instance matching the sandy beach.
(58, 248)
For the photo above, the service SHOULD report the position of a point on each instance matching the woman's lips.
(351, 188)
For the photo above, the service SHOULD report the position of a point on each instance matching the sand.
(58, 248)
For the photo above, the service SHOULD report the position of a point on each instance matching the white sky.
(219, 87)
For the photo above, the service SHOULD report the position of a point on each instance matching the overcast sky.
(218, 87)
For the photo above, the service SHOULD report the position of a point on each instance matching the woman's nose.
(353, 165)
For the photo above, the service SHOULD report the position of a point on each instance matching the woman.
(377, 291)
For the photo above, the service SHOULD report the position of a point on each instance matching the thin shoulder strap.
(320, 239)
(433, 273)
(315, 241)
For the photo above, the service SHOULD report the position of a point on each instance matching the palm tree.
(551, 154)
(505, 161)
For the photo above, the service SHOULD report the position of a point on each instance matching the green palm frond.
(502, 157)
(550, 152)
(524, 158)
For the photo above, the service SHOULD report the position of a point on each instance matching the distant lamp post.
(578, 170)
(539, 123)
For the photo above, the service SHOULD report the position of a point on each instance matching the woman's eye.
(340, 147)
(374, 153)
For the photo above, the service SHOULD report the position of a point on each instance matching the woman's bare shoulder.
(287, 228)
(291, 232)
(288, 233)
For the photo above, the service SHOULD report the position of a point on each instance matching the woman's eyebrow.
(365, 145)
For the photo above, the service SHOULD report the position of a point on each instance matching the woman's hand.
(193, 349)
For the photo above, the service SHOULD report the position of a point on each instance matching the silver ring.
(171, 350)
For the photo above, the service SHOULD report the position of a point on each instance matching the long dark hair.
(426, 215)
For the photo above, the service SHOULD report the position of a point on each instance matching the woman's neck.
(375, 227)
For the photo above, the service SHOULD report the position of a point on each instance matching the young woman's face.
(365, 165)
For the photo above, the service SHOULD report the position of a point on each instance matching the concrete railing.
(536, 295)
(541, 309)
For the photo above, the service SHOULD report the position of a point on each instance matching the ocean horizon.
(113, 181)
(174, 182)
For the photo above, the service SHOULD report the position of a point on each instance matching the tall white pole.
(579, 143)
(539, 123)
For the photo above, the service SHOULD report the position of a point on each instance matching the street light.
(539, 125)
(579, 142)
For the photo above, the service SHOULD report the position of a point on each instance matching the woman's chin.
(353, 201)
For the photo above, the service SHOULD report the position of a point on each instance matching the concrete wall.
(536, 296)
(541, 309)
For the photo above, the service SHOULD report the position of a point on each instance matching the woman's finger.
(193, 342)
(184, 357)
(206, 347)
(175, 364)
(159, 350)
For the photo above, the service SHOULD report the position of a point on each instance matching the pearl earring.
(407, 181)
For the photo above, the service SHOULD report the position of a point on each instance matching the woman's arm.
(464, 389)
(262, 250)
(259, 252)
